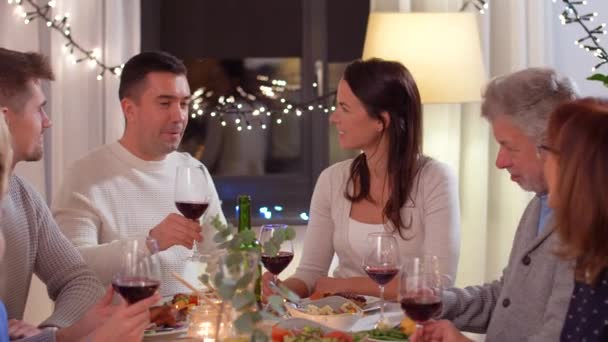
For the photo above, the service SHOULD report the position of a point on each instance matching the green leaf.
(270, 248)
(242, 300)
(245, 280)
(290, 233)
(598, 77)
(234, 259)
(277, 304)
(290, 295)
(259, 336)
(224, 245)
(244, 323)
(226, 291)
(218, 279)
(278, 235)
(218, 237)
(204, 278)
(247, 236)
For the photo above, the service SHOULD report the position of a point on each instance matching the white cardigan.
(434, 214)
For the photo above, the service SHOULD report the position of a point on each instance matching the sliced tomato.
(340, 336)
(278, 334)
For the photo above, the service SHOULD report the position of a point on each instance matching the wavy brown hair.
(386, 86)
(578, 130)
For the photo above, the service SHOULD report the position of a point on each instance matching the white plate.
(162, 331)
(166, 331)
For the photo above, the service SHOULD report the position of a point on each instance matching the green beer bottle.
(244, 212)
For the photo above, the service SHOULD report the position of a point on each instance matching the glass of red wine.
(275, 260)
(421, 288)
(381, 263)
(192, 195)
(139, 275)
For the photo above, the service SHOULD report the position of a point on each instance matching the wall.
(572, 60)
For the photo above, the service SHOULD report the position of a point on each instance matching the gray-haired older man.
(530, 300)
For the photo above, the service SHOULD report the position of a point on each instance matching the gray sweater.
(529, 302)
(36, 245)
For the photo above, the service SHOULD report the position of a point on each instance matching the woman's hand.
(438, 331)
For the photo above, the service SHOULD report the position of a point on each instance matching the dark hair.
(385, 86)
(578, 132)
(139, 66)
(16, 70)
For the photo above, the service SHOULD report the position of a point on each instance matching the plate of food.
(172, 316)
(299, 329)
(335, 312)
(398, 333)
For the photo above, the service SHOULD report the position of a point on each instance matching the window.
(229, 43)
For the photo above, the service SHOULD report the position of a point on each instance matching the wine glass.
(275, 258)
(139, 275)
(422, 284)
(381, 263)
(192, 195)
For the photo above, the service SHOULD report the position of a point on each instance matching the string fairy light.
(30, 10)
(590, 41)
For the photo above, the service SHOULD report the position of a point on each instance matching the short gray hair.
(527, 97)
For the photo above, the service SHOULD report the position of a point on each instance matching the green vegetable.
(393, 334)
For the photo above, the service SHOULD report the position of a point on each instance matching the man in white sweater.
(125, 190)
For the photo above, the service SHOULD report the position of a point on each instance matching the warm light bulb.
(99, 77)
(263, 126)
(237, 121)
(91, 63)
(52, 3)
(239, 128)
(279, 121)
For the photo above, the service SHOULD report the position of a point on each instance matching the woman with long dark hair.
(390, 187)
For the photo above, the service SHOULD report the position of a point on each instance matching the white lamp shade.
(441, 50)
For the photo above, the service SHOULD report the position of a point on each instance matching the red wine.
(421, 309)
(192, 210)
(381, 275)
(276, 264)
(135, 289)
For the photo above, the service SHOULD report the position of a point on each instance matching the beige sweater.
(434, 213)
(111, 195)
(35, 245)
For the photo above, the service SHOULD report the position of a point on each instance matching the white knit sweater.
(111, 195)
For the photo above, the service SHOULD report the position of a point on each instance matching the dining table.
(393, 314)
